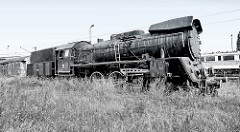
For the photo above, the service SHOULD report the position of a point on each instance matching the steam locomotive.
(171, 50)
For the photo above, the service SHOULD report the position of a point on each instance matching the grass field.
(29, 104)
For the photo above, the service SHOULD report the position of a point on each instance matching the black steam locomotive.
(171, 50)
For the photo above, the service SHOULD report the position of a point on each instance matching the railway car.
(223, 66)
(171, 50)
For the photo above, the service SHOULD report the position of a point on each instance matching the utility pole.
(90, 32)
(8, 49)
(232, 41)
(238, 42)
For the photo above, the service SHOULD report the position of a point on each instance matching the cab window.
(210, 58)
(227, 58)
(61, 54)
(66, 53)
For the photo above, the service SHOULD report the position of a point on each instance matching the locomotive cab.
(63, 61)
(65, 58)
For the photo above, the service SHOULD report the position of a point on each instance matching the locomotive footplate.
(134, 71)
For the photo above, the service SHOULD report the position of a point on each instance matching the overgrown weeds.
(30, 104)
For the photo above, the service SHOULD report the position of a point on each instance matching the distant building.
(14, 67)
(11, 55)
(223, 64)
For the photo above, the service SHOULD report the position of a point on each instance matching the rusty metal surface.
(48, 68)
(40, 69)
(127, 34)
(72, 45)
(107, 63)
(173, 45)
(63, 65)
(183, 43)
(30, 70)
(180, 39)
(43, 55)
(158, 68)
(175, 25)
(185, 68)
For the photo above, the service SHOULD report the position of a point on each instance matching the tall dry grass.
(30, 104)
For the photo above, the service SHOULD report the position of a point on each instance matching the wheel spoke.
(117, 78)
(96, 76)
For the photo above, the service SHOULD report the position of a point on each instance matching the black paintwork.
(176, 25)
(174, 38)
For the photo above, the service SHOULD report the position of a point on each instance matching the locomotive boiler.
(170, 50)
(174, 38)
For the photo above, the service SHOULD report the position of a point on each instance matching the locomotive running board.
(133, 71)
(107, 63)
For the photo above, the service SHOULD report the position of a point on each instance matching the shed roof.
(19, 59)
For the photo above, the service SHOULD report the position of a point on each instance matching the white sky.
(47, 23)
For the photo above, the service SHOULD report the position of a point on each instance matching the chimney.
(99, 40)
